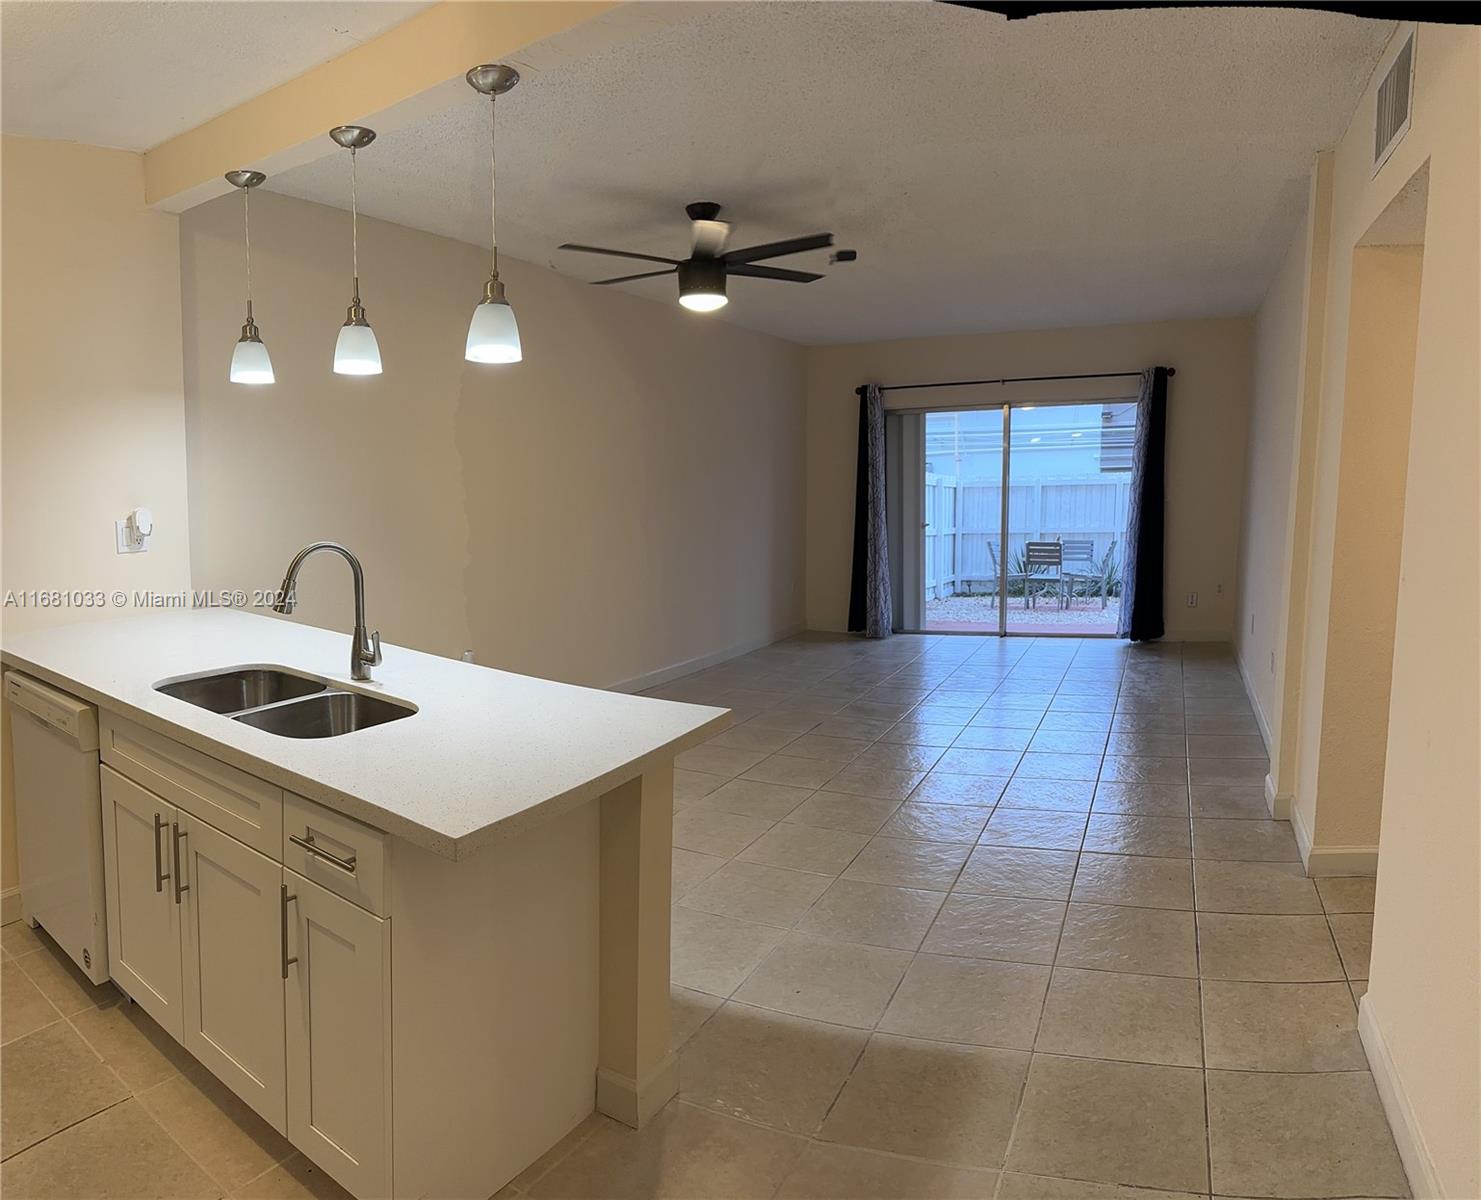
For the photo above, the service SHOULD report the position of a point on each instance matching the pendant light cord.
(354, 224)
(493, 207)
(247, 239)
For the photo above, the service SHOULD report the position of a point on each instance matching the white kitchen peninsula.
(423, 950)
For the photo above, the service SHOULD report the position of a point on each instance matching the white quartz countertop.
(487, 754)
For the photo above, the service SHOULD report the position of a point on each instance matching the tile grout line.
(1208, 1132)
(1043, 1004)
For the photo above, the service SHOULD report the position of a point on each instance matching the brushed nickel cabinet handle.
(160, 874)
(307, 842)
(285, 900)
(176, 837)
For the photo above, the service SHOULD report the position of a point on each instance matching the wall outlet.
(1192, 599)
(127, 541)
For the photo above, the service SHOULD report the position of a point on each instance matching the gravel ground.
(982, 610)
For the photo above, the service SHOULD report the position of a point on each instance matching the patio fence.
(963, 517)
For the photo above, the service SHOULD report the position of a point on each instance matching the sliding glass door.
(961, 519)
(1023, 517)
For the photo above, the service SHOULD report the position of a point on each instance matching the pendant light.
(250, 363)
(493, 333)
(356, 352)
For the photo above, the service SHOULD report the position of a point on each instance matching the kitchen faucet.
(365, 648)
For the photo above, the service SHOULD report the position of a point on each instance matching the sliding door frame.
(1006, 407)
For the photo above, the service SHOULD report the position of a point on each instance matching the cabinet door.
(339, 1037)
(234, 940)
(143, 912)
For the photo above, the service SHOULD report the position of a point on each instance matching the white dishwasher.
(59, 819)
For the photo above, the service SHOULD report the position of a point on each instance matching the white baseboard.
(1322, 861)
(1171, 634)
(634, 1102)
(664, 674)
(1279, 807)
(10, 905)
(1424, 1182)
(1254, 698)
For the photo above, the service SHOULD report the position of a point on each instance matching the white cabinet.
(143, 914)
(278, 985)
(232, 939)
(339, 1036)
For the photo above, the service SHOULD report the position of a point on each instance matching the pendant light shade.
(493, 333)
(250, 363)
(356, 352)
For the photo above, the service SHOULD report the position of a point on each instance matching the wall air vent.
(1395, 96)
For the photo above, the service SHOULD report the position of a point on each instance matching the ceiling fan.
(702, 275)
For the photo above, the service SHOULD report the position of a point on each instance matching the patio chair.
(1078, 563)
(1043, 557)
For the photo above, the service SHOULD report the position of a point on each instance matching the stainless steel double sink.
(284, 702)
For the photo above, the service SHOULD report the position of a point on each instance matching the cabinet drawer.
(235, 802)
(336, 852)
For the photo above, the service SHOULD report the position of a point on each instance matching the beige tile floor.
(954, 917)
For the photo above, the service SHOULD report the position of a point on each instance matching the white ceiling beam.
(404, 74)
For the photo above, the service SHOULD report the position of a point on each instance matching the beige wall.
(1350, 623)
(91, 419)
(1274, 413)
(1425, 995)
(1208, 407)
(627, 499)
(1422, 1011)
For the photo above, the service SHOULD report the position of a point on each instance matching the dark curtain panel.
(870, 609)
(1141, 588)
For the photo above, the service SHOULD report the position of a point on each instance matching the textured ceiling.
(1063, 170)
(131, 74)
(1069, 169)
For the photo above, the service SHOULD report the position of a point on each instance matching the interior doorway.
(1023, 517)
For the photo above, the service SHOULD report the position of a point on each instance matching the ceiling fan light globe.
(704, 301)
(493, 334)
(702, 284)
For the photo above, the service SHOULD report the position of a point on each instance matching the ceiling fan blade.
(673, 262)
(781, 273)
(629, 278)
(814, 241)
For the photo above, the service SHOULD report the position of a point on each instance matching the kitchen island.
(423, 950)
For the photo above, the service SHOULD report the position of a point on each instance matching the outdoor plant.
(1110, 572)
(1018, 565)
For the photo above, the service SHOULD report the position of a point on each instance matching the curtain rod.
(905, 387)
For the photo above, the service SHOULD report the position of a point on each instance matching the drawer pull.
(334, 860)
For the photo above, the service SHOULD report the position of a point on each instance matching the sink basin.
(328, 714)
(247, 687)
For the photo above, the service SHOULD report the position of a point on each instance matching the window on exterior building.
(1117, 436)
